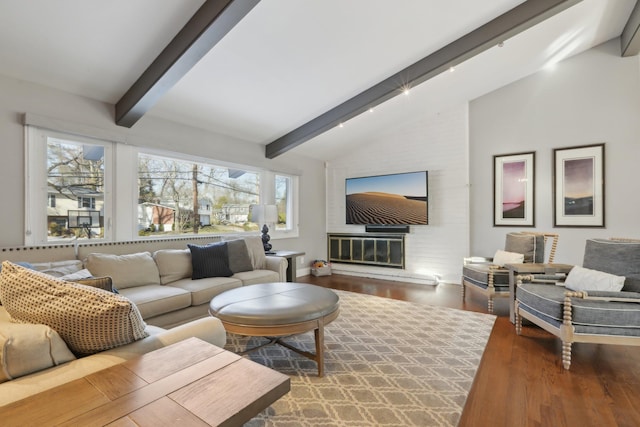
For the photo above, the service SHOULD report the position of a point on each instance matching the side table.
(291, 257)
(529, 268)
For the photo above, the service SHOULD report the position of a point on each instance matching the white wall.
(75, 113)
(590, 98)
(437, 143)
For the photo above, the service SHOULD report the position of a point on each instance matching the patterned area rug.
(387, 363)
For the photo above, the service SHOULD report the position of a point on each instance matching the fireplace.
(383, 250)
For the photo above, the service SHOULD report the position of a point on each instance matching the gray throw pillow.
(239, 259)
(210, 261)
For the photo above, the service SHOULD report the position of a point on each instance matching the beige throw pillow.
(88, 319)
(126, 271)
(26, 348)
(173, 264)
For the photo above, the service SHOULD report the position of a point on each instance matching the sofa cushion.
(173, 264)
(586, 279)
(26, 348)
(126, 271)
(256, 252)
(80, 274)
(530, 245)
(153, 300)
(254, 277)
(239, 258)
(478, 274)
(210, 260)
(88, 319)
(203, 290)
(588, 316)
(58, 268)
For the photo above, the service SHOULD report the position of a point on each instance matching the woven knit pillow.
(88, 319)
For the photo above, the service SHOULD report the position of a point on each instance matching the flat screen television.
(394, 199)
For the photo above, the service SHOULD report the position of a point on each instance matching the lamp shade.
(270, 214)
(256, 212)
(264, 214)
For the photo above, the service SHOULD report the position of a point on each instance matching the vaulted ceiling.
(287, 62)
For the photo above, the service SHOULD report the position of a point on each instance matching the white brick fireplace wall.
(438, 143)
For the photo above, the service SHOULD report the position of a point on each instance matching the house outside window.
(86, 202)
(70, 186)
(75, 180)
(205, 198)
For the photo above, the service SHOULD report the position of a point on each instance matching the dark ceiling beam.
(507, 25)
(207, 26)
(630, 38)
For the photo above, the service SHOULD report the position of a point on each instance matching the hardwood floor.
(520, 381)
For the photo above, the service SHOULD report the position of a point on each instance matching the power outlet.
(301, 260)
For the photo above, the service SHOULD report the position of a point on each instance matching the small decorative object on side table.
(264, 214)
(265, 241)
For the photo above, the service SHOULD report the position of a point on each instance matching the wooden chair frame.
(490, 292)
(566, 332)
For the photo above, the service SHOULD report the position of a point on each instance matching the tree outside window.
(183, 197)
(283, 201)
(75, 180)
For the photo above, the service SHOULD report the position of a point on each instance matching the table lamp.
(265, 214)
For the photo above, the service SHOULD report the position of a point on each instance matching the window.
(70, 186)
(178, 196)
(66, 179)
(283, 186)
(86, 202)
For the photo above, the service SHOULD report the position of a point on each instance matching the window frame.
(122, 224)
(36, 189)
(291, 229)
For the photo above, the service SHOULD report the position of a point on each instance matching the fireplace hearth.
(382, 250)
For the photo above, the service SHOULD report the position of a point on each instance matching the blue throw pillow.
(21, 263)
(210, 261)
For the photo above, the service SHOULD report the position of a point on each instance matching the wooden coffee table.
(190, 383)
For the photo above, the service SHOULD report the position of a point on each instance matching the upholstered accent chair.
(597, 303)
(490, 277)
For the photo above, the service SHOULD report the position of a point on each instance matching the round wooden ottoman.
(276, 310)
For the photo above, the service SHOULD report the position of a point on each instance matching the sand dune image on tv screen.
(385, 208)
